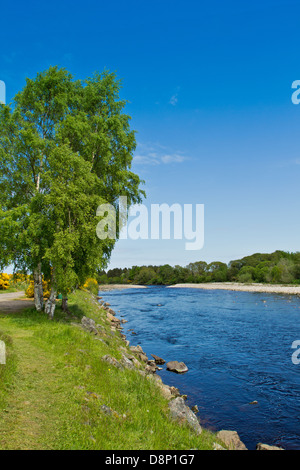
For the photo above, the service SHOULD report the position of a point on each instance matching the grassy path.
(12, 302)
(33, 411)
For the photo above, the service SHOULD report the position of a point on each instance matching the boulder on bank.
(152, 364)
(150, 369)
(218, 447)
(136, 349)
(90, 325)
(127, 362)
(231, 439)
(110, 317)
(139, 352)
(178, 367)
(182, 413)
(169, 392)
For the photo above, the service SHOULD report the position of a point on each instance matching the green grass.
(55, 383)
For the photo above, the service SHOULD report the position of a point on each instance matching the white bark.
(51, 303)
(38, 288)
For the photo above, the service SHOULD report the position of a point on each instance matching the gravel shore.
(235, 286)
(108, 287)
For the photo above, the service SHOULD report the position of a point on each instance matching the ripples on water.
(237, 346)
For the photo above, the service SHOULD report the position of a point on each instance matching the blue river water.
(237, 346)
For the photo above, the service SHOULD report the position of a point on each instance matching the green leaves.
(65, 148)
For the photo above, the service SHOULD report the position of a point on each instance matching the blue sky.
(209, 90)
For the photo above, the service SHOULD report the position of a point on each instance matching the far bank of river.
(235, 286)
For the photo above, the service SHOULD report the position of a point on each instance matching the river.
(237, 346)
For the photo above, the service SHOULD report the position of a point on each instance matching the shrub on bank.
(4, 281)
(91, 285)
(30, 290)
(14, 282)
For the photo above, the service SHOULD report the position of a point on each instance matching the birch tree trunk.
(38, 288)
(64, 305)
(51, 303)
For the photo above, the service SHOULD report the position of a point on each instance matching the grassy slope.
(54, 384)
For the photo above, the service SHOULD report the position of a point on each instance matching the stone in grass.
(93, 395)
(178, 367)
(108, 411)
(89, 325)
(182, 413)
(112, 361)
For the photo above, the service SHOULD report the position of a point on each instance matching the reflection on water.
(237, 346)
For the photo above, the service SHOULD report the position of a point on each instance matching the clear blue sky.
(209, 85)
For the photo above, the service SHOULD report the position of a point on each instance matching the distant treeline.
(279, 267)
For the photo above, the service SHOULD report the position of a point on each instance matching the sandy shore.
(107, 287)
(235, 286)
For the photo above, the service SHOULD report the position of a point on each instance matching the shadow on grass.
(31, 317)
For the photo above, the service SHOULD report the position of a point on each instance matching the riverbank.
(159, 318)
(235, 286)
(75, 383)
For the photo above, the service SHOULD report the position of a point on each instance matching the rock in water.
(176, 366)
(261, 446)
(157, 359)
